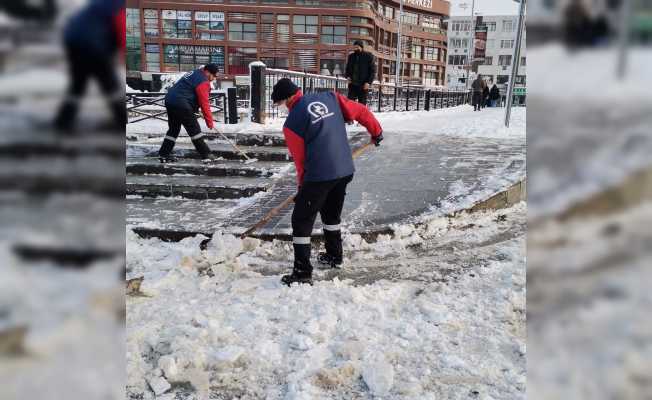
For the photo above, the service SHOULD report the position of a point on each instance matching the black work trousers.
(357, 93)
(178, 117)
(327, 199)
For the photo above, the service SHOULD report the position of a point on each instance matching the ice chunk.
(378, 374)
(159, 385)
(169, 366)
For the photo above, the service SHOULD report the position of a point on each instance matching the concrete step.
(184, 150)
(49, 175)
(241, 139)
(44, 143)
(195, 187)
(152, 166)
(173, 214)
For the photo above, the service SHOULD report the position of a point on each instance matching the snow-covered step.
(241, 139)
(47, 175)
(45, 143)
(187, 150)
(175, 218)
(195, 187)
(152, 166)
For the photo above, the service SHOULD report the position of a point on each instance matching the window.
(333, 34)
(417, 52)
(410, 18)
(388, 12)
(153, 57)
(428, 21)
(359, 20)
(488, 60)
(177, 24)
(431, 53)
(458, 43)
(242, 31)
(415, 70)
(505, 60)
(491, 43)
(332, 63)
(508, 25)
(182, 58)
(355, 30)
(133, 39)
(491, 26)
(520, 80)
(457, 60)
(283, 33)
(523, 60)
(500, 79)
(239, 59)
(209, 21)
(305, 24)
(151, 23)
(506, 44)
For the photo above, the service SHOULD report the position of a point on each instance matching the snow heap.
(220, 321)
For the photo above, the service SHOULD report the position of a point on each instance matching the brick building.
(311, 35)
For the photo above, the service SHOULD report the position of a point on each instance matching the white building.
(497, 64)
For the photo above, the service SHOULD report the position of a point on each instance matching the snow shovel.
(289, 200)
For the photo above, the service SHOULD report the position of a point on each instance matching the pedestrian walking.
(182, 101)
(360, 72)
(92, 38)
(477, 88)
(494, 95)
(315, 134)
(485, 94)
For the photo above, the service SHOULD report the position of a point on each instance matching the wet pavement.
(396, 182)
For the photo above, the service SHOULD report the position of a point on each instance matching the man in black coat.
(360, 72)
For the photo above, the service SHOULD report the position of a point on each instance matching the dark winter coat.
(190, 93)
(98, 28)
(361, 68)
(494, 93)
(315, 133)
(476, 85)
(485, 92)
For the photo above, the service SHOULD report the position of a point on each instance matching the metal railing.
(151, 105)
(381, 97)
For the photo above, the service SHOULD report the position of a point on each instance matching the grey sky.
(484, 7)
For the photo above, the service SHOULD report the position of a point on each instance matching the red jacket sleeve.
(120, 25)
(354, 111)
(203, 90)
(297, 149)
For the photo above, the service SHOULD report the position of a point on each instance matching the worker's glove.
(378, 139)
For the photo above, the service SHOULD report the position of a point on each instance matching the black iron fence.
(381, 97)
(151, 105)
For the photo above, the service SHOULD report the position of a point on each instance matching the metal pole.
(471, 45)
(398, 46)
(515, 62)
(623, 37)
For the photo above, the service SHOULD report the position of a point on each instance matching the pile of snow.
(215, 322)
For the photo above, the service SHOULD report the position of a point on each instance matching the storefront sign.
(420, 3)
(184, 15)
(169, 14)
(202, 16)
(217, 16)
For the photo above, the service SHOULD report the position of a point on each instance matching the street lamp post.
(469, 57)
(515, 62)
(398, 46)
(623, 39)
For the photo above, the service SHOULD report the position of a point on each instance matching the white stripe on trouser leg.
(301, 240)
(331, 227)
(172, 138)
(197, 136)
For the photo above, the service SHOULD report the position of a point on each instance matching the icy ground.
(436, 312)
(456, 121)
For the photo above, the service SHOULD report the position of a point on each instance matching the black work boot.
(167, 159)
(299, 276)
(331, 261)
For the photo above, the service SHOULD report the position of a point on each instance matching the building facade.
(497, 63)
(311, 35)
